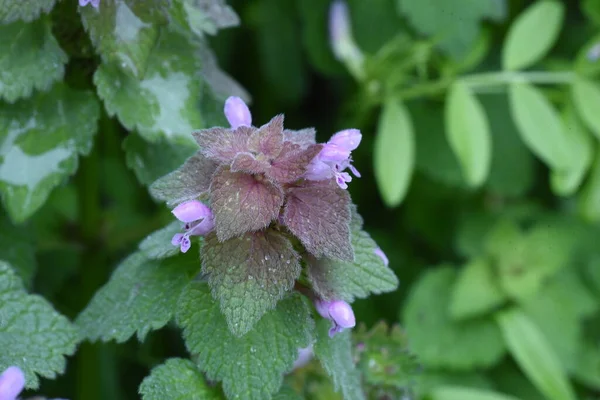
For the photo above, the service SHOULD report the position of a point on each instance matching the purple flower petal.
(177, 238)
(192, 210)
(185, 244)
(237, 112)
(339, 25)
(348, 139)
(354, 170)
(341, 313)
(333, 153)
(95, 3)
(382, 255)
(317, 170)
(12, 382)
(203, 228)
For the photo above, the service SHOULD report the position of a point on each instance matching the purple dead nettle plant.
(266, 199)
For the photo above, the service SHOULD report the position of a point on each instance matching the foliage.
(473, 269)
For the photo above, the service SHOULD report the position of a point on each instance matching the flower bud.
(12, 382)
(348, 139)
(237, 112)
(342, 42)
(339, 312)
(382, 255)
(191, 211)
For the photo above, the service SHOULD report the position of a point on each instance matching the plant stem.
(487, 80)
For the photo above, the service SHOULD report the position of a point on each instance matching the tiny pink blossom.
(12, 382)
(382, 255)
(339, 312)
(237, 112)
(199, 221)
(334, 153)
(190, 211)
(94, 3)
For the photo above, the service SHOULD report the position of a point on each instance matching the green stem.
(487, 80)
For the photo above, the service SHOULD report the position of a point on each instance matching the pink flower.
(237, 112)
(12, 382)
(94, 3)
(304, 357)
(339, 312)
(199, 221)
(335, 157)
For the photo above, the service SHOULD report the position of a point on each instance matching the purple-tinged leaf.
(247, 162)
(268, 139)
(249, 274)
(368, 273)
(303, 137)
(188, 182)
(243, 203)
(318, 213)
(222, 144)
(292, 162)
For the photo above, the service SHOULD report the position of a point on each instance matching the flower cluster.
(263, 198)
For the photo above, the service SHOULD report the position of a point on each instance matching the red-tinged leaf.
(318, 213)
(247, 162)
(268, 139)
(292, 162)
(242, 202)
(222, 144)
(303, 137)
(188, 182)
(249, 274)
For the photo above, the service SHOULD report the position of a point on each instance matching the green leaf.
(249, 274)
(586, 63)
(40, 140)
(532, 34)
(157, 245)
(17, 248)
(589, 198)
(33, 336)
(166, 102)
(540, 126)
(176, 379)
(428, 380)
(205, 16)
(250, 366)
(336, 279)
(476, 291)
(468, 133)
(524, 261)
(566, 183)
(383, 357)
(436, 339)
(140, 297)
(394, 152)
(558, 310)
(534, 355)
(151, 161)
(125, 31)
(586, 97)
(287, 393)
(512, 166)
(32, 59)
(335, 355)
(464, 393)
(26, 10)
(454, 24)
